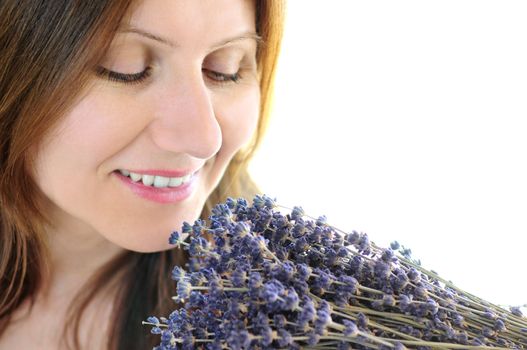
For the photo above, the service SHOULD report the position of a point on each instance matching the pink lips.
(166, 173)
(160, 195)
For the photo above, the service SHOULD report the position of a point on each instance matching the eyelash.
(137, 78)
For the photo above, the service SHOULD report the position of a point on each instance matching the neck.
(76, 253)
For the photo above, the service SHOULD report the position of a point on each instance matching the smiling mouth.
(157, 190)
(157, 181)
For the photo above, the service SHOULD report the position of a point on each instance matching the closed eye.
(137, 78)
(222, 78)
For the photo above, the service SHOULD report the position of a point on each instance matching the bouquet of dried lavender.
(259, 279)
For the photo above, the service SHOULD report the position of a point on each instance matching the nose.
(185, 120)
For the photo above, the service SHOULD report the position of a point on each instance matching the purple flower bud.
(400, 281)
(153, 319)
(308, 312)
(186, 228)
(284, 337)
(221, 210)
(352, 238)
(281, 253)
(166, 336)
(477, 342)
(231, 203)
(315, 237)
(388, 256)
(323, 280)
(303, 271)
(515, 310)
(490, 315)
(183, 288)
(320, 324)
(297, 213)
(267, 335)
(241, 229)
(488, 332)
(350, 329)
(242, 203)
(174, 238)
(450, 333)
(462, 337)
(388, 300)
(279, 321)
(196, 299)
(215, 345)
(399, 346)
(432, 306)
(263, 201)
(283, 272)
(382, 270)
(271, 291)
(404, 302)
(301, 286)
(215, 285)
(198, 227)
(355, 264)
(255, 281)
(395, 245)
(413, 275)
(198, 244)
(301, 245)
(291, 299)
(421, 292)
(238, 278)
(499, 326)
(348, 285)
(178, 273)
(458, 320)
(197, 278)
(313, 338)
(342, 252)
(362, 320)
(377, 305)
(298, 229)
(321, 221)
(330, 258)
(239, 339)
(342, 345)
(364, 243)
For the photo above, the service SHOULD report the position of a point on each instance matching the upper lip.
(165, 173)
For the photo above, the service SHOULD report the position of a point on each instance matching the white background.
(407, 120)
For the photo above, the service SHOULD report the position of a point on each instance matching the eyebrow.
(171, 44)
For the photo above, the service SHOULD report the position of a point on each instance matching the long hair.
(47, 49)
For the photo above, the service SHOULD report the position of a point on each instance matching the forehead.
(193, 22)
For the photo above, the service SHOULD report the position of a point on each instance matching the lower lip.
(159, 195)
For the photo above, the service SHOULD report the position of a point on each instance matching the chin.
(149, 247)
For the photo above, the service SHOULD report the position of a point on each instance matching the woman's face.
(189, 115)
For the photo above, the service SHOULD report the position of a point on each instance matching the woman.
(119, 121)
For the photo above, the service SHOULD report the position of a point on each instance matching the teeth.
(135, 177)
(175, 181)
(147, 179)
(156, 181)
(161, 181)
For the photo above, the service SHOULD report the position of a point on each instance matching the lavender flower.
(264, 280)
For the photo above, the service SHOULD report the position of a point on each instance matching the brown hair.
(47, 51)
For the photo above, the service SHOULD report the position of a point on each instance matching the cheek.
(72, 160)
(238, 119)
